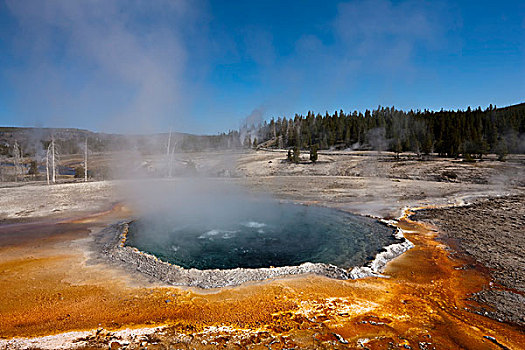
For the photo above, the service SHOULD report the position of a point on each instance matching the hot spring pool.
(260, 235)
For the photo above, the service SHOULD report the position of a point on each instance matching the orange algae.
(48, 288)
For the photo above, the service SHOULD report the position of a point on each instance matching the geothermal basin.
(261, 235)
(211, 234)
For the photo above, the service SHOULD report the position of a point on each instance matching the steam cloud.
(111, 64)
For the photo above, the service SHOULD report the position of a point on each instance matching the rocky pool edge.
(109, 244)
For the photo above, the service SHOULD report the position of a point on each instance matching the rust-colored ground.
(47, 288)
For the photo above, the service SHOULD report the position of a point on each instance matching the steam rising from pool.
(262, 233)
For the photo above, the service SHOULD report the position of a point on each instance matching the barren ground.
(491, 232)
(427, 301)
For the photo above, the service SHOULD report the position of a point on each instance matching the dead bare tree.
(86, 160)
(17, 160)
(52, 156)
(2, 168)
(47, 163)
(53, 165)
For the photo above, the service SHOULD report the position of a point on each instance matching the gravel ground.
(491, 231)
(37, 200)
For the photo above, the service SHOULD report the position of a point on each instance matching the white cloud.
(386, 35)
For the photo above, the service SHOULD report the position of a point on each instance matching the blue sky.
(205, 66)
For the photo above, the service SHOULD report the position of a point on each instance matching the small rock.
(340, 338)
(114, 345)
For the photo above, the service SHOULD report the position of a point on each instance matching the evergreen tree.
(449, 133)
(296, 154)
(313, 153)
(33, 168)
(427, 146)
(397, 148)
(79, 172)
(502, 150)
(247, 141)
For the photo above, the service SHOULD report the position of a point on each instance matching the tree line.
(469, 133)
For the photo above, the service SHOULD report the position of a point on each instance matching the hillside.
(34, 141)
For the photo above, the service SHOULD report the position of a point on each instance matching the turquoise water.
(261, 235)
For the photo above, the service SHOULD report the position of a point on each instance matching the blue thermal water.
(261, 236)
